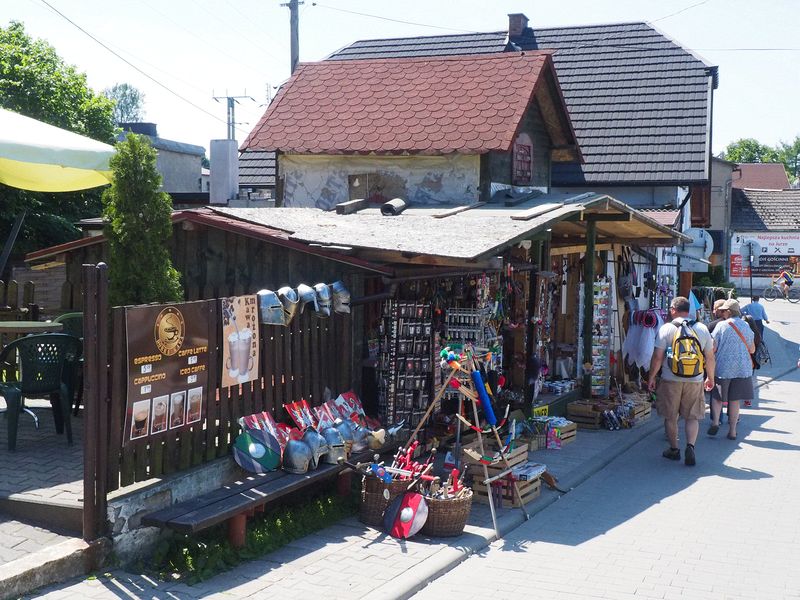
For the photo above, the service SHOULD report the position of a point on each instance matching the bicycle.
(773, 292)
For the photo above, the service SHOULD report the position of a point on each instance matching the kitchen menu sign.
(167, 367)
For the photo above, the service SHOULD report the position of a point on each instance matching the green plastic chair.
(44, 365)
(73, 325)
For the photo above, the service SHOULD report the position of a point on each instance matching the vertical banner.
(167, 367)
(239, 340)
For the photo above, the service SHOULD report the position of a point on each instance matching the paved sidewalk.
(350, 560)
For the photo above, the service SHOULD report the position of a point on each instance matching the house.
(257, 175)
(178, 163)
(771, 218)
(761, 176)
(640, 105)
(433, 131)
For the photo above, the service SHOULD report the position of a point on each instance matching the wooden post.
(588, 303)
(90, 401)
(237, 526)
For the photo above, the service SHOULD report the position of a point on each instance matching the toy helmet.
(336, 447)
(296, 457)
(323, 299)
(341, 297)
(307, 296)
(345, 429)
(270, 309)
(317, 444)
(289, 301)
(359, 437)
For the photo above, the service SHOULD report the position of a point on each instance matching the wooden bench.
(236, 501)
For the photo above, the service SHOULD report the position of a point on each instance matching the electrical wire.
(134, 67)
(353, 12)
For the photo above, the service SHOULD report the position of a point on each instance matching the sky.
(182, 53)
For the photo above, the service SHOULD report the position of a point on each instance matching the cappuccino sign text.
(167, 367)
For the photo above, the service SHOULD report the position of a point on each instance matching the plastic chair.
(44, 366)
(73, 325)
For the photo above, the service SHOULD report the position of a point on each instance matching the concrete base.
(51, 565)
(50, 513)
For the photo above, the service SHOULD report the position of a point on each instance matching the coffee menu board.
(239, 339)
(167, 367)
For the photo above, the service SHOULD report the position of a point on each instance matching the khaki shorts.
(684, 398)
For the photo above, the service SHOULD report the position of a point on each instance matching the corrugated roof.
(760, 176)
(765, 210)
(664, 216)
(431, 106)
(639, 103)
(257, 168)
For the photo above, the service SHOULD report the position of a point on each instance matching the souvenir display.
(323, 292)
(341, 297)
(290, 302)
(257, 451)
(270, 309)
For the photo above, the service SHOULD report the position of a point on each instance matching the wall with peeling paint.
(323, 181)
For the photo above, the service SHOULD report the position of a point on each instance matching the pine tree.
(138, 228)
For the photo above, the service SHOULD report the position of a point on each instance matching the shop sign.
(541, 411)
(778, 250)
(240, 358)
(167, 367)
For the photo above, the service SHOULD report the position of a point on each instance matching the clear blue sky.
(201, 48)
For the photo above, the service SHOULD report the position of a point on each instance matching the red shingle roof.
(761, 176)
(465, 104)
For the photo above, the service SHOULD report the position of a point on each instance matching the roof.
(765, 210)
(490, 228)
(640, 103)
(257, 168)
(208, 218)
(664, 216)
(160, 143)
(761, 176)
(430, 106)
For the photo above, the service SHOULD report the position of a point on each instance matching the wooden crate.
(568, 433)
(585, 415)
(528, 491)
(516, 457)
(641, 412)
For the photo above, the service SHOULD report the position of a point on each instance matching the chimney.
(517, 23)
(224, 171)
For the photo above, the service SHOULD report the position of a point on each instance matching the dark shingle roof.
(765, 210)
(257, 168)
(760, 176)
(638, 101)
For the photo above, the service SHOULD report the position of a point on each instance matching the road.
(646, 527)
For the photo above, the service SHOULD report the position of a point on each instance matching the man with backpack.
(688, 371)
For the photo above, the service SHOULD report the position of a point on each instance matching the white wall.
(645, 196)
(322, 181)
(179, 171)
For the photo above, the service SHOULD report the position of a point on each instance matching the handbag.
(744, 341)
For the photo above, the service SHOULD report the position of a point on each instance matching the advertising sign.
(167, 367)
(777, 251)
(239, 339)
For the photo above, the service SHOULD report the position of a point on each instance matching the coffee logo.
(169, 331)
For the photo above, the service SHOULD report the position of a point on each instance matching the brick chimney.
(517, 23)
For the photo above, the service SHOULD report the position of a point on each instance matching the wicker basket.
(447, 517)
(373, 502)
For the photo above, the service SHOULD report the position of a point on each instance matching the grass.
(201, 556)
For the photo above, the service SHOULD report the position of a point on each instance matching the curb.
(419, 576)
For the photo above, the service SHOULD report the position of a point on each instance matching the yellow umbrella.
(42, 158)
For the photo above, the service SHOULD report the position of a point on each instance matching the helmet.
(341, 297)
(336, 448)
(323, 299)
(270, 309)
(296, 457)
(345, 428)
(289, 300)
(317, 444)
(307, 295)
(359, 437)
(376, 439)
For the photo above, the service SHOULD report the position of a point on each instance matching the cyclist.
(786, 277)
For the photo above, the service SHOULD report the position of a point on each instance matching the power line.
(133, 66)
(353, 12)
(677, 12)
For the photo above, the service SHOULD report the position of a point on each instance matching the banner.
(167, 367)
(239, 340)
(779, 250)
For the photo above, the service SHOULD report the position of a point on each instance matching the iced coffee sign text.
(167, 367)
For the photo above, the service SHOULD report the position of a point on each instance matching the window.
(522, 161)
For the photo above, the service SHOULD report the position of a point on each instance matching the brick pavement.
(19, 539)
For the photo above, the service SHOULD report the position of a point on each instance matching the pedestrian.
(688, 370)
(733, 346)
(756, 310)
(757, 341)
(716, 314)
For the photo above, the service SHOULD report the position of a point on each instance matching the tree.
(790, 157)
(748, 150)
(139, 225)
(128, 103)
(35, 82)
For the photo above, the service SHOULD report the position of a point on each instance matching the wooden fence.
(12, 308)
(296, 362)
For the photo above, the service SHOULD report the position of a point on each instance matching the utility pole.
(232, 101)
(294, 30)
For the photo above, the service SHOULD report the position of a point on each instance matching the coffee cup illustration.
(177, 413)
(160, 414)
(232, 364)
(195, 404)
(240, 359)
(140, 419)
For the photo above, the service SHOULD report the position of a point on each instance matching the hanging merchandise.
(290, 301)
(341, 297)
(601, 337)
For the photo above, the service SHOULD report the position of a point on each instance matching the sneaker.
(713, 430)
(690, 459)
(748, 403)
(672, 453)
